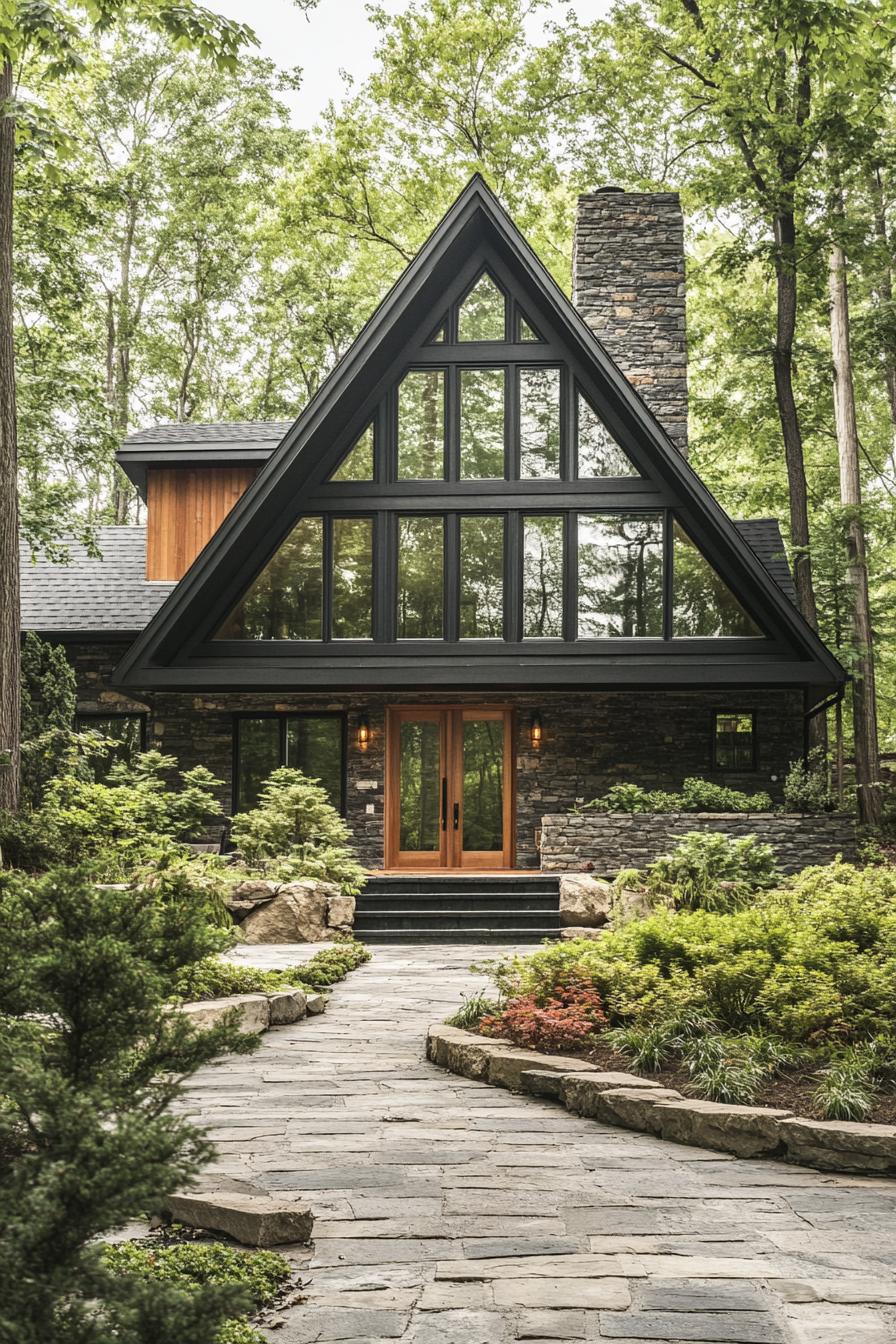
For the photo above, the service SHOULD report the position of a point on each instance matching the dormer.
(190, 477)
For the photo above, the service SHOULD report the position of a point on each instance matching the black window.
(734, 741)
(312, 743)
(127, 733)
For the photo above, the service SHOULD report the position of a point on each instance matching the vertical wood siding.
(184, 507)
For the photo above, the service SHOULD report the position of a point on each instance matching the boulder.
(296, 914)
(745, 1131)
(257, 890)
(315, 1004)
(585, 902)
(289, 1005)
(841, 1145)
(341, 913)
(253, 1012)
(252, 1220)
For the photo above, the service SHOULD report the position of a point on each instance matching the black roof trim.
(476, 210)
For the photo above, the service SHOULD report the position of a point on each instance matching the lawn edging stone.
(635, 1102)
(252, 1220)
(255, 1012)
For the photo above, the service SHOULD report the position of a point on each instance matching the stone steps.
(457, 908)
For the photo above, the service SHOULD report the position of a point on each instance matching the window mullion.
(513, 422)
(327, 561)
(570, 576)
(567, 426)
(451, 446)
(451, 589)
(668, 574)
(513, 578)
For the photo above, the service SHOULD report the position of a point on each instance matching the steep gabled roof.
(173, 651)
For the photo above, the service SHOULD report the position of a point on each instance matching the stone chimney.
(628, 285)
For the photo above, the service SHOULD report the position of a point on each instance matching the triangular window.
(527, 333)
(357, 465)
(598, 453)
(702, 603)
(440, 335)
(286, 601)
(481, 315)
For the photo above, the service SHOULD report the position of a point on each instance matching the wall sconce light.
(363, 732)
(535, 730)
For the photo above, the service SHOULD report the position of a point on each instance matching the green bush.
(217, 978)
(807, 785)
(296, 832)
(48, 699)
(92, 1062)
(696, 795)
(257, 1277)
(813, 961)
(707, 871)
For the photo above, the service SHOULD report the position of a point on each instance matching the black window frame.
(714, 741)
(283, 716)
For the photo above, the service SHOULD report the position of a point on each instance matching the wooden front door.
(449, 787)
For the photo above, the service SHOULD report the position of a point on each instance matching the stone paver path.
(449, 1212)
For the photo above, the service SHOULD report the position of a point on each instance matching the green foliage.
(258, 1276)
(696, 795)
(296, 832)
(473, 1008)
(812, 962)
(92, 1061)
(216, 978)
(707, 871)
(48, 702)
(807, 786)
(116, 825)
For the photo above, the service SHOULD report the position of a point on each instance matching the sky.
(338, 36)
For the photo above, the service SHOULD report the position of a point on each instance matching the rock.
(341, 913)
(297, 914)
(585, 901)
(632, 1107)
(572, 931)
(506, 1068)
(315, 1004)
(462, 1052)
(628, 904)
(580, 1090)
(840, 1145)
(253, 1012)
(289, 1005)
(543, 1083)
(252, 1220)
(255, 889)
(746, 1131)
(240, 909)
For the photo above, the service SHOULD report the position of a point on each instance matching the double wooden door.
(449, 787)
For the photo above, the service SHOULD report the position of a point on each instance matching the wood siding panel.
(185, 506)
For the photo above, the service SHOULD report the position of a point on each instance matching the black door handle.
(456, 815)
(444, 803)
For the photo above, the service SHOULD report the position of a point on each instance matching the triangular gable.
(475, 237)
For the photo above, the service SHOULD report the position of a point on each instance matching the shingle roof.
(246, 431)
(107, 593)
(92, 594)
(763, 536)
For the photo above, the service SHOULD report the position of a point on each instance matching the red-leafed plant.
(569, 1019)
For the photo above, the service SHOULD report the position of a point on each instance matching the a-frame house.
(476, 580)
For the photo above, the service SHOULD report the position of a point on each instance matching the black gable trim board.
(176, 649)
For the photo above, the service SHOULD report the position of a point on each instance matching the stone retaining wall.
(606, 842)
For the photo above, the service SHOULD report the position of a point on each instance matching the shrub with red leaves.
(568, 1020)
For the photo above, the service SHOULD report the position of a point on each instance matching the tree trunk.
(864, 700)
(10, 627)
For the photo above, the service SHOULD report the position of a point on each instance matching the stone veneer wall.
(590, 740)
(605, 842)
(629, 286)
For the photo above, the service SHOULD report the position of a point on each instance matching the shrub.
(473, 1009)
(296, 832)
(257, 1277)
(806, 785)
(92, 1061)
(568, 1019)
(48, 700)
(696, 795)
(216, 978)
(707, 871)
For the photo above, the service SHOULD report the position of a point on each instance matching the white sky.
(338, 36)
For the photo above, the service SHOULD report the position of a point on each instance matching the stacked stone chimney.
(628, 285)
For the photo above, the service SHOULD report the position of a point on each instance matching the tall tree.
(48, 38)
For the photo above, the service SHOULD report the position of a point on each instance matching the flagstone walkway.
(450, 1212)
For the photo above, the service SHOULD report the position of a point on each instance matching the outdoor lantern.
(535, 730)
(363, 732)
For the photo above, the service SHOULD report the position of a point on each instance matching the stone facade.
(629, 286)
(605, 842)
(590, 740)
